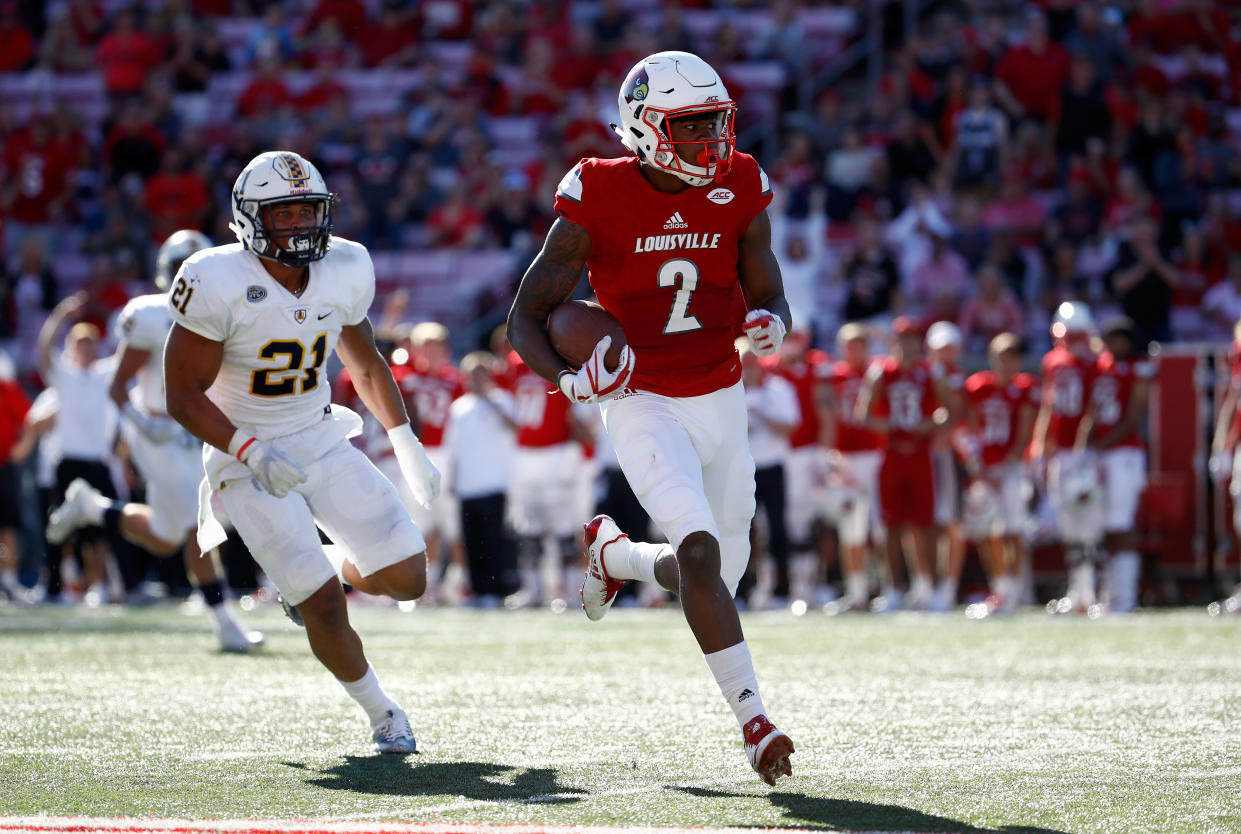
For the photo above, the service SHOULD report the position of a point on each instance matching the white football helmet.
(941, 334)
(1073, 318)
(672, 85)
(281, 177)
(179, 246)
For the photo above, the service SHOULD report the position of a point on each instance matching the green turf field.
(902, 723)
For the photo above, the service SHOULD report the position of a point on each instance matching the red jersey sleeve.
(569, 192)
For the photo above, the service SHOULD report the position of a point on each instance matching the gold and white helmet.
(282, 177)
(173, 251)
(672, 85)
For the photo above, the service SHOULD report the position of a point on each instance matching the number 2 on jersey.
(682, 274)
(261, 383)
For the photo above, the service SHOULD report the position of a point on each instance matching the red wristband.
(243, 448)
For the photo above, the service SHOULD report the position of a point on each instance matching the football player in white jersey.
(253, 324)
(169, 459)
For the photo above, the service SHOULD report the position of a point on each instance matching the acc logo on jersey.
(255, 293)
(721, 196)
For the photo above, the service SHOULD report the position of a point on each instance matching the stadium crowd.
(1011, 158)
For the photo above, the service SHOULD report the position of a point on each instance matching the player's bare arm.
(372, 378)
(547, 284)
(825, 405)
(131, 361)
(863, 411)
(1224, 439)
(191, 363)
(1026, 414)
(1135, 412)
(1038, 442)
(759, 272)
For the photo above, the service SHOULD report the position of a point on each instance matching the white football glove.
(421, 475)
(272, 469)
(765, 330)
(593, 382)
(158, 430)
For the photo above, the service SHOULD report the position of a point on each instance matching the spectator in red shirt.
(13, 407)
(16, 42)
(393, 40)
(455, 223)
(35, 187)
(176, 197)
(126, 55)
(1030, 76)
(993, 310)
(266, 93)
(349, 16)
(325, 90)
(134, 144)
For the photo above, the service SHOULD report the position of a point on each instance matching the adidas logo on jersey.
(676, 222)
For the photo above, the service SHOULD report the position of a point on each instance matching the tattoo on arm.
(548, 282)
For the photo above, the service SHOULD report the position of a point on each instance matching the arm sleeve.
(205, 312)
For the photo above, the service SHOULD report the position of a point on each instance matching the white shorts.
(444, 517)
(344, 494)
(1078, 509)
(688, 461)
(1124, 478)
(1013, 491)
(805, 502)
(861, 512)
(947, 490)
(171, 471)
(543, 490)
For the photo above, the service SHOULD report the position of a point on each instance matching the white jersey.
(143, 325)
(271, 381)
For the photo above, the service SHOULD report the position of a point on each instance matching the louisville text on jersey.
(690, 240)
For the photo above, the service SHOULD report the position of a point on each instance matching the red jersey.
(432, 395)
(1067, 382)
(806, 375)
(998, 409)
(908, 397)
(665, 265)
(542, 412)
(1113, 389)
(851, 436)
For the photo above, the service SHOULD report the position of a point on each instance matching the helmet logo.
(292, 170)
(710, 99)
(637, 85)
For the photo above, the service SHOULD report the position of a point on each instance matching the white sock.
(1123, 571)
(1081, 584)
(856, 586)
(1002, 586)
(8, 578)
(370, 696)
(948, 590)
(734, 672)
(96, 507)
(221, 614)
(635, 561)
(921, 587)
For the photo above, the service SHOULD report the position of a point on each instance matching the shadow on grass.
(816, 812)
(403, 776)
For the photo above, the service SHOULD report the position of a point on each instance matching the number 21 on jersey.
(286, 384)
(181, 294)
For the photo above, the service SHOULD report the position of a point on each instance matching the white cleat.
(236, 640)
(394, 735)
(74, 512)
(598, 589)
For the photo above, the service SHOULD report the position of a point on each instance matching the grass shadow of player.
(404, 776)
(826, 814)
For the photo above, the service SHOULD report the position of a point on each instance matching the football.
(576, 326)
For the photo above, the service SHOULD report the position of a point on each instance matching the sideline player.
(855, 451)
(1225, 461)
(168, 459)
(254, 322)
(668, 236)
(1069, 371)
(1001, 406)
(943, 343)
(1113, 430)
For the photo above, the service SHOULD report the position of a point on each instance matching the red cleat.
(768, 749)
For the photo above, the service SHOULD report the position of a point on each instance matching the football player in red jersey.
(809, 370)
(430, 386)
(1112, 429)
(855, 454)
(669, 237)
(943, 342)
(902, 399)
(1001, 404)
(1225, 463)
(1069, 371)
